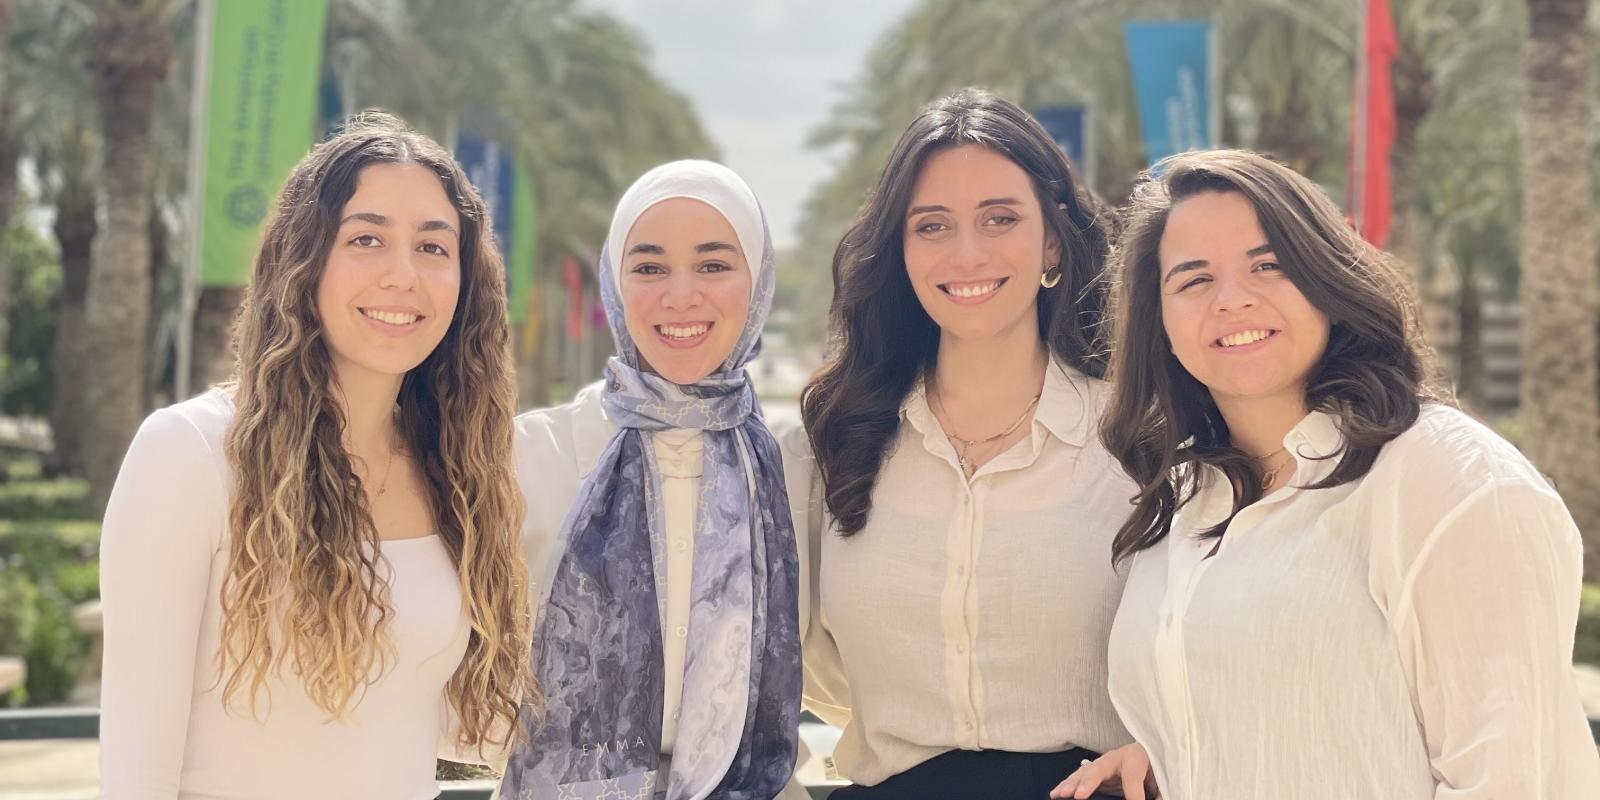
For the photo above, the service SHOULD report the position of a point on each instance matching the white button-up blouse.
(1405, 636)
(967, 614)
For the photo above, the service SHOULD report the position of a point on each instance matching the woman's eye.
(1001, 220)
(365, 240)
(648, 269)
(714, 266)
(434, 249)
(1268, 265)
(1194, 282)
(932, 227)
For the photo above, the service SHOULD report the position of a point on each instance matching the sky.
(762, 74)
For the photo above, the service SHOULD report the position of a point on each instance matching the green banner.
(260, 118)
(520, 270)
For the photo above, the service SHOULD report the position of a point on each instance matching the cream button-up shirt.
(967, 614)
(1405, 636)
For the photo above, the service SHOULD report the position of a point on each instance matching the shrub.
(1586, 649)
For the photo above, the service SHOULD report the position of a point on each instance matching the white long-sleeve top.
(557, 448)
(1406, 636)
(967, 614)
(164, 732)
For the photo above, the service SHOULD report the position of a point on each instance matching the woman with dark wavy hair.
(311, 576)
(1339, 585)
(962, 503)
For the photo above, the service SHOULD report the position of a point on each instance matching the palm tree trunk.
(131, 50)
(1559, 292)
(9, 152)
(1469, 339)
(213, 335)
(1413, 99)
(75, 229)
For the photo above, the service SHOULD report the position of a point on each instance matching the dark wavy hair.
(300, 528)
(1162, 424)
(883, 339)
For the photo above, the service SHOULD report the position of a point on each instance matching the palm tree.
(130, 53)
(9, 152)
(1560, 295)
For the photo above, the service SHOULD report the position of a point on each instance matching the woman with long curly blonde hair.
(311, 576)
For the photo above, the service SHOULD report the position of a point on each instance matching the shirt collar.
(1314, 441)
(1067, 406)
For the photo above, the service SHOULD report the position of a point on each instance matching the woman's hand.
(1124, 771)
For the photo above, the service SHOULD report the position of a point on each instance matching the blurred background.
(142, 141)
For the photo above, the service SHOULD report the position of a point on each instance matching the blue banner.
(1172, 80)
(1069, 126)
(491, 168)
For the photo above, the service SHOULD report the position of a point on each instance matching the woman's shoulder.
(566, 432)
(199, 423)
(1447, 441)
(1444, 460)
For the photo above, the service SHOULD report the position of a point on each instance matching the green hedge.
(1586, 649)
(49, 543)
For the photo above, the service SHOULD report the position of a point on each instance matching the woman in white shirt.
(310, 576)
(660, 541)
(1340, 585)
(960, 508)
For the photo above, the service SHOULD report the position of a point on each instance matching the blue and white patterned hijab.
(597, 646)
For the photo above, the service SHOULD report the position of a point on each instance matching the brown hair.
(302, 586)
(1162, 424)
(885, 340)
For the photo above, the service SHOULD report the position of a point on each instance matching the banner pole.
(188, 294)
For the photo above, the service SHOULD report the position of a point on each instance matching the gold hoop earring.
(1050, 278)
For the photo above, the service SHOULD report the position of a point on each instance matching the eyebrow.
(384, 222)
(993, 201)
(658, 250)
(1200, 263)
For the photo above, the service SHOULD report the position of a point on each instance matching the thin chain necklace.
(963, 445)
(383, 485)
(1271, 475)
(388, 467)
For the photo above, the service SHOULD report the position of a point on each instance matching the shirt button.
(682, 631)
(969, 724)
(961, 647)
(961, 569)
(682, 546)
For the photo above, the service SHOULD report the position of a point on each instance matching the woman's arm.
(1484, 620)
(161, 529)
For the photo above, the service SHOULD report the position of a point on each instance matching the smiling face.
(1235, 320)
(390, 286)
(976, 243)
(685, 287)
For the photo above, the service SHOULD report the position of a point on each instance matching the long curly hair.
(1162, 424)
(883, 339)
(303, 588)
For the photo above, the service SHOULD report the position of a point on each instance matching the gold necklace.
(966, 444)
(1271, 475)
(383, 485)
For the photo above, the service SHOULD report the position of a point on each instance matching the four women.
(1309, 519)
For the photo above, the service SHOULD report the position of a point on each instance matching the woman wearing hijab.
(659, 535)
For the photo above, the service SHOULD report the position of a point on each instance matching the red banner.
(1372, 125)
(572, 276)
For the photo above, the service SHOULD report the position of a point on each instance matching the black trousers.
(976, 775)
